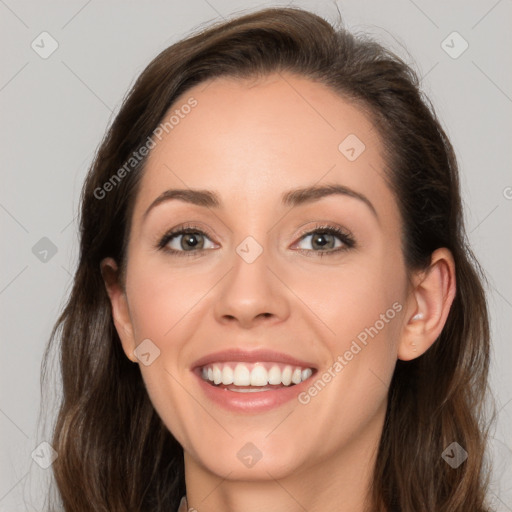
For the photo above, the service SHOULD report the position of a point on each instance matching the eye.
(185, 241)
(324, 239)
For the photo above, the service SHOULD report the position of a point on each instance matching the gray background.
(54, 112)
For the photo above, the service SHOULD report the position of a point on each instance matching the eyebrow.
(291, 198)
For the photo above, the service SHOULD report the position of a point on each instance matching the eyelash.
(344, 237)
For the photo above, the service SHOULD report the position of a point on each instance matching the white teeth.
(259, 376)
(242, 376)
(297, 376)
(286, 376)
(217, 375)
(306, 373)
(274, 375)
(255, 374)
(227, 375)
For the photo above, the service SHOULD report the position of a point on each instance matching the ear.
(432, 296)
(120, 310)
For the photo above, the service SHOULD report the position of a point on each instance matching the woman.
(323, 343)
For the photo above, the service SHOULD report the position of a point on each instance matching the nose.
(252, 293)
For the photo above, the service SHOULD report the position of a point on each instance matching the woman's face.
(258, 282)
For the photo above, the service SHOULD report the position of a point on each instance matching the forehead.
(251, 139)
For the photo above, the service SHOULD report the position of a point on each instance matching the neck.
(343, 480)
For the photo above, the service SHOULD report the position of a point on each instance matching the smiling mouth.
(243, 377)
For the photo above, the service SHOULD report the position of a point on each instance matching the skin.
(250, 141)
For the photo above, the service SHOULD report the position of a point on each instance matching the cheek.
(362, 305)
(365, 293)
(350, 390)
(164, 307)
(163, 296)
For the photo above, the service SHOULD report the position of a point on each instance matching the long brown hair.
(115, 454)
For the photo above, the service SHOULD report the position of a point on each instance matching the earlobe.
(119, 304)
(432, 297)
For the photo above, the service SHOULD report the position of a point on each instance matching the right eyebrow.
(205, 198)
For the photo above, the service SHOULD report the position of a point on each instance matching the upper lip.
(251, 356)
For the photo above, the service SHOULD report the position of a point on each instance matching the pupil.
(323, 242)
(191, 240)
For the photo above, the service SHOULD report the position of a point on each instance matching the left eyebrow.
(305, 195)
(292, 198)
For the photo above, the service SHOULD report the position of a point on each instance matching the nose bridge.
(251, 289)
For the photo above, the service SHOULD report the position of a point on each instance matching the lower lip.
(254, 401)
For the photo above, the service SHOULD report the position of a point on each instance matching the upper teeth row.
(242, 375)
